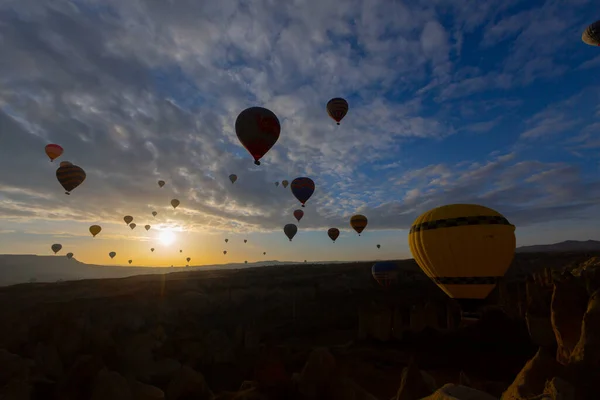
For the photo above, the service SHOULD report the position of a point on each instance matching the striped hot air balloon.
(337, 109)
(591, 35)
(359, 222)
(53, 151)
(70, 176)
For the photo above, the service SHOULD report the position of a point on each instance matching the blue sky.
(495, 103)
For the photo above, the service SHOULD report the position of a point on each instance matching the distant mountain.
(566, 246)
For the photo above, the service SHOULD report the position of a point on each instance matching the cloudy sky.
(493, 102)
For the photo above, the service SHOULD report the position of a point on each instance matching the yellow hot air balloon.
(464, 248)
(95, 229)
(358, 222)
(175, 203)
(128, 219)
(161, 183)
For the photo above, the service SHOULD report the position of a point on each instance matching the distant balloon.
(298, 214)
(95, 229)
(464, 248)
(264, 253)
(224, 251)
(337, 109)
(378, 246)
(591, 35)
(161, 183)
(245, 262)
(233, 178)
(290, 231)
(358, 222)
(181, 251)
(154, 213)
(56, 247)
(147, 227)
(130, 261)
(276, 184)
(132, 225)
(69, 255)
(175, 203)
(152, 249)
(333, 233)
(302, 189)
(128, 219)
(385, 273)
(188, 259)
(112, 254)
(245, 240)
(226, 240)
(257, 129)
(285, 183)
(70, 176)
(53, 151)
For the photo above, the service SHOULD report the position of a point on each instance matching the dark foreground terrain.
(302, 332)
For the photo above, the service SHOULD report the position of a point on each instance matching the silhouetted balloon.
(378, 246)
(112, 254)
(128, 219)
(337, 109)
(154, 213)
(161, 183)
(285, 183)
(130, 261)
(175, 203)
(233, 178)
(276, 184)
(298, 214)
(53, 151)
(358, 222)
(245, 240)
(257, 129)
(302, 189)
(290, 231)
(132, 225)
(56, 247)
(245, 262)
(591, 35)
(147, 227)
(181, 251)
(226, 240)
(264, 253)
(152, 249)
(95, 229)
(385, 273)
(464, 248)
(188, 259)
(70, 176)
(69, 255)
(333, 233)
(224, 251)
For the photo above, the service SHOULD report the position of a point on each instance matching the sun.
(166, 237)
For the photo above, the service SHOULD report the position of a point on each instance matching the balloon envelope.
(591, 35)
(130, 261)
(53, 151)
(233, 178)
(154, 213)
(152, 249)
(464, 248)
(95, 229)
(147, 227)
(161, 183)
(285, 183)
(358, 222)
(188, 259)
(385, 273)
(333, 233)
(302, 189)
(175, 203)
(290, 231)
(69, 255)
(337, 108)
(298, 214)
(224, 251)
(112, 254)
(128, 219)
(56, 247)
(132, 225)
(70, 176)
(258, 129)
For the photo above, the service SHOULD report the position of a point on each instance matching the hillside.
(566, 246)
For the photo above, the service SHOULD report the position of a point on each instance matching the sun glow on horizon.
(166, 237)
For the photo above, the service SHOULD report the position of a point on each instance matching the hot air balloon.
(591, 35)
(175, 203)
(264, 253)
(70, 176)
(276, 184)
(245, 262)
(378, 246)
(257, 129)
(337, 109)
(69, 255)
(290, 231)
(333, 233)
(298, 214)
(233, 178)
(224, 251)
(154, 213)
(245, 240)
(358, 222)
(464, 248)
(226, 240)
(132, 225)
(385, 273)
(53, 151)
(56, 247)
(95, 229)
(188, 259)
(285, 183)
(161, 183)
(152, 249)
(302, 189)
(112, 254)
(127, 219)
(147, 227)
(181, 251)
(130, 261)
